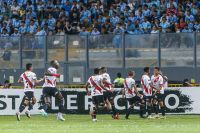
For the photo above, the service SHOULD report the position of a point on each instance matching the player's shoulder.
(52, 69)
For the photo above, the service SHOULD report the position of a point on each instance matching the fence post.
(159, 50)
(87, 59)
(66, 63)
(123, 52)
(195, 50)
(20, 52)
(45, 51)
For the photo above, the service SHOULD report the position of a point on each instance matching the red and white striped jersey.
(50, 81)
(145, 82)
(157, 83)
(128, 86)
(107, 81)
(28, 78)
(95, 82)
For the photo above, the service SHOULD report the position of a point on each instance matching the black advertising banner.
(183, 100)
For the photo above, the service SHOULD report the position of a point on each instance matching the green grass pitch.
(83, 124)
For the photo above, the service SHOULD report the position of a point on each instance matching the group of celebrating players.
(150, 99)
(100, 87)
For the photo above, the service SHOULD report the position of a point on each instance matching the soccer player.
(49, 90)
(109, 92)
(97, 88)
(147, 91)
(130, 92)
(158, 96)
(29, 79)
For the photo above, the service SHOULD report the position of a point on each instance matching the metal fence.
(82, 53)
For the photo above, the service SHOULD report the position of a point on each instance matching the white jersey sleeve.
(50, 81)
(28, 80)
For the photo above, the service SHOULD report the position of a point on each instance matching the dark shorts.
(29, 95)
(159, 97)
(98, 100)
(50, 91)
(108, 95)
(147, 98)
(134, 100)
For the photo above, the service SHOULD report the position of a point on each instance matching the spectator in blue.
(145, 26)
(164, 24)
(85, 14)
(172, 18)
(67, 7)
(51, 22)
(32, 28)
(22, 28)
(197, 26)
(189, 17)
(146, 11)
(130, 26)
(40, 36)
(84, 32)
(186, 30)
(115, 19)
(16, 22)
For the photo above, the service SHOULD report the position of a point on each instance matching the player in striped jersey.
(49, 90)
(130, 92)
(96, 92)
(109, 92)
(29, 79)
(147, 90)
(157, 81)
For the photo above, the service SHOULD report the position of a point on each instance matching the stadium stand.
(58, 17)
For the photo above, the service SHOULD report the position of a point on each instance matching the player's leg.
(22, 106)
(149, 106)
(128, 111)
(155, 106)
(161, 103)
(142, 108)
(93, 109)
(115, 115)
(47, 101)
(60, 99)
(32, 101)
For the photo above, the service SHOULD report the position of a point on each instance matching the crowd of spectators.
(84, 17)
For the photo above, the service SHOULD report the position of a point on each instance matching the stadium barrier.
(178, 100)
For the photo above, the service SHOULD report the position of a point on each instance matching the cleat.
(127, 118)
(43, 113)
(60, 117)
(150, 117)
(157, 116)
(115, 116)
(18, 116)
(28, 114)
(162, 117)
(94, 120)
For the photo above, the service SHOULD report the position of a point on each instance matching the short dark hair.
(146, 69)
(28, 66)
(96, 71)
(119, 75)
(157, 68)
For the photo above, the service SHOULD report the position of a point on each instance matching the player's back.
(106, 76)
(50, 81)
(145, 82)
(128, 84)
(28, 80)
(156, 81)
(95, 82)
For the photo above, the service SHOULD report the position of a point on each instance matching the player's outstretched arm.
(38, 81)
(20, 80)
